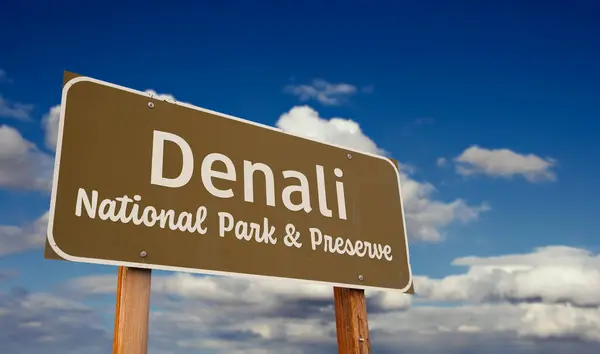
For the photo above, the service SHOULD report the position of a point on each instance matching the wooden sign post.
(351, 321)
(132, 312)
(144, 183)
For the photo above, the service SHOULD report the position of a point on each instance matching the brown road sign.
(143, 182)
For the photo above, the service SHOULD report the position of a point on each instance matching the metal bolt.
(361, 339)
(150, 104)
(349, 156)
(143, 254)
(361, 278)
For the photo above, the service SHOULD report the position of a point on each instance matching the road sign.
(147, 183)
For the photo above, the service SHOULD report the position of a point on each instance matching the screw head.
(150, 104)
(361, 278)
(361, 339)
(349, 156)
(143, 254)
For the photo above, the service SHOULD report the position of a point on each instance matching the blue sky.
(431, 80)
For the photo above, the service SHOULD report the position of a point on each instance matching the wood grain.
(351, 321)
(132, 312)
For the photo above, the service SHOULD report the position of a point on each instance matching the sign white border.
(68, 257)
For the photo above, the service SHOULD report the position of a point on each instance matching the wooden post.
(351, 321)
(133, 310)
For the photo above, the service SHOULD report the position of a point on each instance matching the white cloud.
(50, 125)
(553, 274)
(22, 164)
(462, 329)
(98, 284)
(3, 75)
(322, 91)
(15, 110)
(38, 322)
(505, 163)
(256, 293)
(561, 321)
(425, 216)
(306, 122)
(161, 96)
(42, 323)
(229, 315)
(441, 162)
(14, 239)
(504, 325)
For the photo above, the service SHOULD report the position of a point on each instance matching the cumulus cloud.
(42, 323)
(50, 125)
(230, 314)
(552, 274)
(505, 163)
(306, 122)
(500, 328)
(161, 96)
(257, 294)
(22, 164)
(465, 329)
(39, 322)
(14, 239)
(324, 92)
(425, 216)
(560, 321)
(518, 311)
(15, 110)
